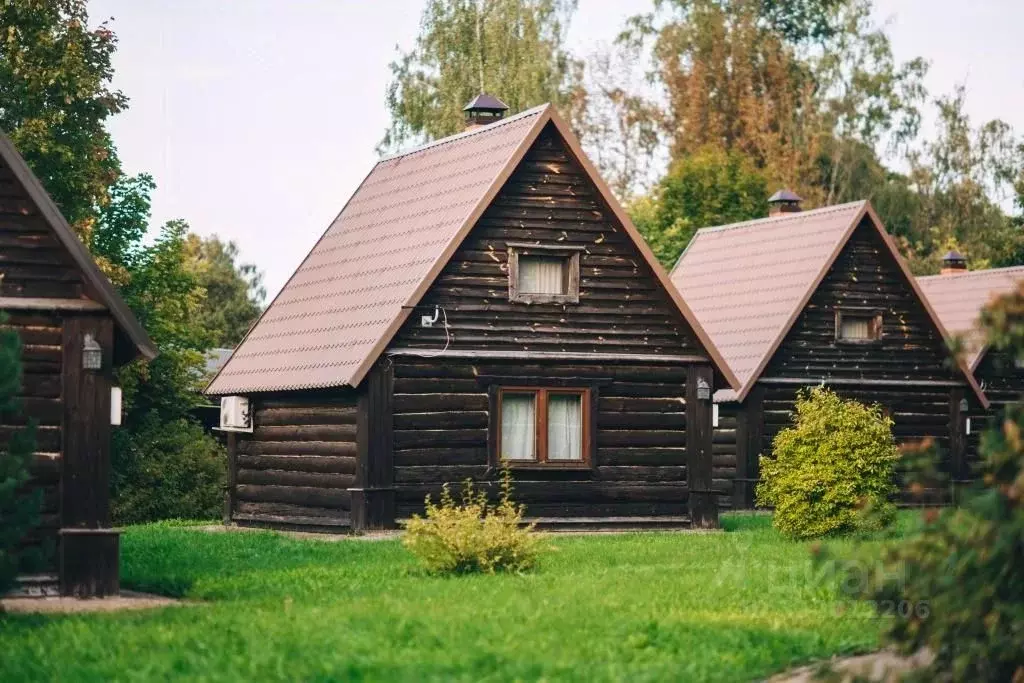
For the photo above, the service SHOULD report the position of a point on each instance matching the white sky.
(258, 118)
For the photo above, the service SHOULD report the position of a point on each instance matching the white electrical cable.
(447, 332)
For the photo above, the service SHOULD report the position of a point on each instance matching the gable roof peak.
(357, 286)
(748, 282)
(101, 288)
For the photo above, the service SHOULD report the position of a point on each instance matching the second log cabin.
(481, 299)
(958, 297)
(821, 297)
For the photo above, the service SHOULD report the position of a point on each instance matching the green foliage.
(167, 470)
(605, 607)
(55, 99)
(513, 49)
(234, 291)
(19, 509)
(832, 471)
(163, 463)
(967, 564)
(705, 189)
(473, 535)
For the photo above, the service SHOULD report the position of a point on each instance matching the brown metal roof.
(747, 282)
(99, 286)
(357, 286)
(958, 300)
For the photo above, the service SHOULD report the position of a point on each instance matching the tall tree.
(163, 463)
(513, 49)
(55, 98)
(710, 187)
(234, 291)
(962, 176)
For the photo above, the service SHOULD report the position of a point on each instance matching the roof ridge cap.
(835, 208)
(971, 273)
(532, 111)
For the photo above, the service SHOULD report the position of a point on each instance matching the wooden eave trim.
(659, 271)
(83, 259)
(741, 394)
(16, 303)
(549, 355)
(442, 260)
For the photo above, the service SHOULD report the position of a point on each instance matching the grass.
(696, 607)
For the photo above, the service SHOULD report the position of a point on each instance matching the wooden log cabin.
(822, 297)
(958, 297)
(479, 299)
(75, 329)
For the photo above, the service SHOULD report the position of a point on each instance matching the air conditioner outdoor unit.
(234, 414)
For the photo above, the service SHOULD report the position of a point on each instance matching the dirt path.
(127, 600)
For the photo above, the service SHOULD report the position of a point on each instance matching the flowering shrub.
(832, 471)
(472, 535)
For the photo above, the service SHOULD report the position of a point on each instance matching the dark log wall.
(441, 435)
(41, 336)
(724, 446)
(33, 261)
(549, 200)
(298, 464)
(863, 277)
(1003, 383)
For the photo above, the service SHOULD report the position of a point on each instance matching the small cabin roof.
(959, 298)
(357, 286)
(748, 282)
(99, 286)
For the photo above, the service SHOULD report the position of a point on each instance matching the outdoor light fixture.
(92, 354)
(703, 389)
(964, 406)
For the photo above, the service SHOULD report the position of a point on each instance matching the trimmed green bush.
(832, 471)
(472, 535)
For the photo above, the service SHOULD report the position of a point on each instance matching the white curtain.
(518, 426)
(565, 427)
(855, 328)
(541, 275)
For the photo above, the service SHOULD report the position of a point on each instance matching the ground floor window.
(543, 425)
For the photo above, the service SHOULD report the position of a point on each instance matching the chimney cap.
(784, 196)
(953, 262)
(485, 102)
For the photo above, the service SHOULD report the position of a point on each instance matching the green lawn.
(681, 607)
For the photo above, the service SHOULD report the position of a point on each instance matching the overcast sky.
(258, 118)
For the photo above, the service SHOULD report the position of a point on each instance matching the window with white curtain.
(539, 274)
(542, 275)
(858, 327)
(519, 426)
(543, 426)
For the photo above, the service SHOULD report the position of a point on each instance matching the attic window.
(858, 327)
(539, 274)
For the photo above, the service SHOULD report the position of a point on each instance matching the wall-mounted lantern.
(92, 354)
(703, 389)
(964, 406)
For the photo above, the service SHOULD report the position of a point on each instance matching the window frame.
(570, 253)
(874, 325)
(587, 407)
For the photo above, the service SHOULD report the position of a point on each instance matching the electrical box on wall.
(235, 414)
(115, 406)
